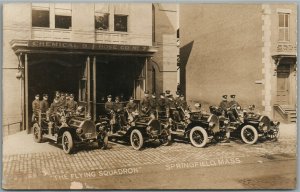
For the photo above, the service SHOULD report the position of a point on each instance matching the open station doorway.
(90, 79)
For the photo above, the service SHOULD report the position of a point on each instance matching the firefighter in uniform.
(131, 108)
(177, 99)
(35, 107)
(233, 101)
(119, 109)
(54, 108)
(161, 105)
(153, 103)
(171, 109)
(71, 105)
(109, 105)
(145, 104)
(224, 103)
(45, 106)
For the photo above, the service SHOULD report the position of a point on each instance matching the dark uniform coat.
(131, 107)
(153, 104)
(161, 104)
(44, 106)
(145, 103)
(109, 106)
(36, 106)
(118, 107)
(224, 105)
(71, 105)
(54, 106)
(233, 102)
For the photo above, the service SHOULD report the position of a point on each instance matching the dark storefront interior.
(115, 75)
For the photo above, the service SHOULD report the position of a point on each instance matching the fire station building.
(244, 49)
(88, 49)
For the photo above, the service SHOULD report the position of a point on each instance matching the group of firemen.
(61, 100)
(148, 105)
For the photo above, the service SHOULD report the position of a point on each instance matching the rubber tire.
(139, 134)
(253, 130)
(37, 138)
(204, 134)
(68, 135)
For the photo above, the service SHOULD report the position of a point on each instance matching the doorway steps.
(287, 112)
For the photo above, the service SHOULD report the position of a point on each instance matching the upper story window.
(284, 22)
(58, 15)
(63, 15)
(120, 23)
(40, 15)
(101, 16)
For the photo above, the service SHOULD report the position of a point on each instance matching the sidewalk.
(23, 143)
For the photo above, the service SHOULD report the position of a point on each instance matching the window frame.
(37, 8)
(108, 22)
(284, 28)
(127, 22)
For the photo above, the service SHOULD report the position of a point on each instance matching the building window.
(63, 22)
(63, 15)
(120, 23)
(40, 18)
(284, 27)
(101, 21)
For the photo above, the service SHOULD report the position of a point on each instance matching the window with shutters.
(284, 32)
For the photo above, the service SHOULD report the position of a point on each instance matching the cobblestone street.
(31, 169)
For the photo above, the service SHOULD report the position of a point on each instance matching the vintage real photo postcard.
(149, 96)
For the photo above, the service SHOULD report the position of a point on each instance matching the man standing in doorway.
(44, 104)
(35, 107)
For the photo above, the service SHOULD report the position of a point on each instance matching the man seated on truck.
(132, 110)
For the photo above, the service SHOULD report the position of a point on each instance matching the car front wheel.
(67, 142)
(198, 137)
(136, 139)
(249, 134)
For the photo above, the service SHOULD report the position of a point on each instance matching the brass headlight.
(79, 131)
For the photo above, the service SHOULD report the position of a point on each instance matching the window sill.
(48, 28)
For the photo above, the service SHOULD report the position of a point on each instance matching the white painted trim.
(283, 10)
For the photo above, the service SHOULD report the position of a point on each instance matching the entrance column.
(88, 85)
(94, 88)
(26, 95)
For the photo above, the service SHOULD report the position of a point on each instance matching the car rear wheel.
(249, 134)
(198, 137)
(67, 142)
(37, 133)
(136, 139)
(165, 138)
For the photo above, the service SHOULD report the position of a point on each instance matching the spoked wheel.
(37, 133)
(198, 137)
(274, 134)
(249, 134)
(67, 142)
(103, 141)
(136, 139)
(165, 138)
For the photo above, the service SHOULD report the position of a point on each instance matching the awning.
(284, 59)
(62, 47)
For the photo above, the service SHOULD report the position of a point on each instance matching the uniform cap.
(71, 95)
(131, 98)
(162, 94)
(109, 96)
(67, 94)
(57, 92)
(45, 95)
(224, 96)
(177, 93)
(168, 91)
(146, 92)
(117, 98)
(37, 95)
(232, 96)
(153, 94)
(181, 95)
(62, 94)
